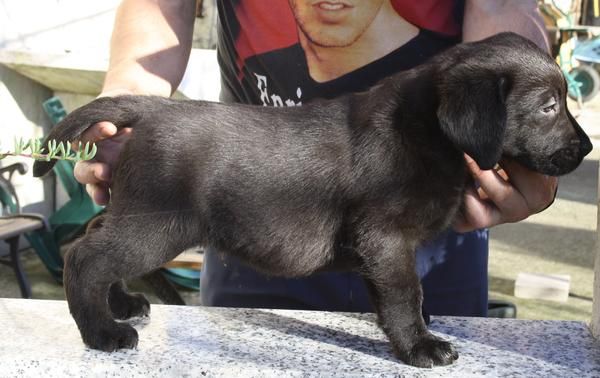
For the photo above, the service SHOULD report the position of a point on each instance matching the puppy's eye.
(550, 106)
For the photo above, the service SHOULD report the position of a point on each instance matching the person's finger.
(91, 172)
(99, 193)
(510, 202)
(537, 189)
(97, 133)
(122, 135)
(476, 213)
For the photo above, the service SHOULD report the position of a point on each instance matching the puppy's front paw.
(111, 337)
(125, 305)
(430, 351)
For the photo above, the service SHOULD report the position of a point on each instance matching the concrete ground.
(560, 240)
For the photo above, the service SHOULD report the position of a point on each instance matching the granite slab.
(39, 338)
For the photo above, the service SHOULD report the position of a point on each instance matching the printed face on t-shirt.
(269, 50)
(334, 23)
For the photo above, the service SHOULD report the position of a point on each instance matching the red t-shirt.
(259, 40)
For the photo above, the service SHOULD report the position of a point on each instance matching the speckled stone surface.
(39, 338)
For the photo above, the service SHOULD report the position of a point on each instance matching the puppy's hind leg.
(121, 249)
(124, 305)
(87, 277)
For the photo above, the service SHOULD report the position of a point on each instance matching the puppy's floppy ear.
(472, 111)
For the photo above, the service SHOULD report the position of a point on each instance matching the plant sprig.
(33, 149)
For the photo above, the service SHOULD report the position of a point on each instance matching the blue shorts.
(453, 271)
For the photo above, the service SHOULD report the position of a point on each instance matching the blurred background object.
(573, 29)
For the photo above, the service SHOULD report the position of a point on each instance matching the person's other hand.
(508, 194)
(96, 173)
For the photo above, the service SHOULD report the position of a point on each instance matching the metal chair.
(14, 223)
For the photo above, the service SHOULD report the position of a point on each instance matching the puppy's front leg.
(396, 292)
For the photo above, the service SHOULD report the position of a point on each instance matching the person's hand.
(96, 173)
(508, 194)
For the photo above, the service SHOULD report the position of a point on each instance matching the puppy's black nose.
(585, 145)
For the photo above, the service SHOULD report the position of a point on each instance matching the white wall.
(57, 25)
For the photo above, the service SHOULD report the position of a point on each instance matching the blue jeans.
(453, 271)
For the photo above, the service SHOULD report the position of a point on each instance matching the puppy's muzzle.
(566, 159)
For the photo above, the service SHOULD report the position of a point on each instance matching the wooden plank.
(189, 260)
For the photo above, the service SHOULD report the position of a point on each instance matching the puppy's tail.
(121, 111)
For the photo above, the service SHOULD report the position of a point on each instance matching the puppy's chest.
(434, 194)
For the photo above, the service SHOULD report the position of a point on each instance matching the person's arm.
(150, 46)
(516, 193)
(149, 50)
(484, 18)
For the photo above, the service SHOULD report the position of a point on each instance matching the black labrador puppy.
(353, 183)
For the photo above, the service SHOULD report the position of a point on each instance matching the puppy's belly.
(290, 247)
(282, 261)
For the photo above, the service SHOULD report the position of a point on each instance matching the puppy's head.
(505, 96)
